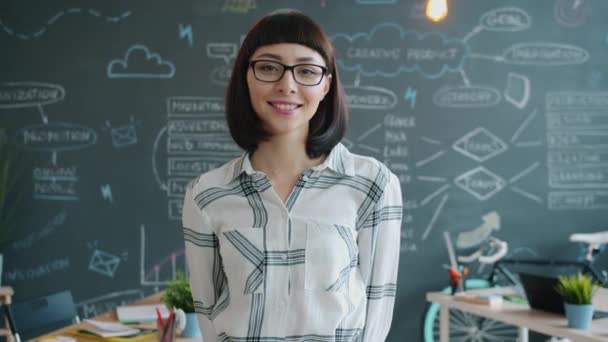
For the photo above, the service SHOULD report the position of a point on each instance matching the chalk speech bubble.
(29, 94)
(466, 97)
(369, 97)
(506, 19)
(545, 54)
(58, 136)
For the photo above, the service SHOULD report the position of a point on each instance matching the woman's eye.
(268, 68)
(308, 72)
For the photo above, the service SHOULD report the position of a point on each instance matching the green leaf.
(577, 288)
(179, 294)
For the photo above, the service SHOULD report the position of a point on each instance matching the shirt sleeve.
(379, 240)
(207, 278)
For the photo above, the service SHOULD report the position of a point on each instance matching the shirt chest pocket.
(242, 251)
(331, 256)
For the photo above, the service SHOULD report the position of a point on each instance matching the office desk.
(111, 316)
(523, 317)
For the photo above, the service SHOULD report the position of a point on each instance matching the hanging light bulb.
(436, 10)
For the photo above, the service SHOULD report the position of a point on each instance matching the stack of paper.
(492, 300)
(140, 313)
(108, 329)
(57, 339)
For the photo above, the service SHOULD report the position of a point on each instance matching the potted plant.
(178, 296)
(577, 291)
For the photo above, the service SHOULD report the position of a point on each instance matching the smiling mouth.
(283, 106)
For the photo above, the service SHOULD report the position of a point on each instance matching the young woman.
(297, 239)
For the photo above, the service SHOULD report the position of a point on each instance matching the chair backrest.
(41, 315)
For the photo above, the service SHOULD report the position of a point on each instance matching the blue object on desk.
(192, 328)
(41, 315)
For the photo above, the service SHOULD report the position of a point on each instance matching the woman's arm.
(378, 240)
(207, 277)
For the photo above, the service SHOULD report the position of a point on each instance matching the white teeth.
(285, 106)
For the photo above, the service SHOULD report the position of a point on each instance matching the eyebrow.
(278, 58)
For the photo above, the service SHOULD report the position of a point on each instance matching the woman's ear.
(326, 85)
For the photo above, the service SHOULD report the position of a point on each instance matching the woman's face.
(286, 106)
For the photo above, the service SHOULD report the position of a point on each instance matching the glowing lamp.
(436, 10)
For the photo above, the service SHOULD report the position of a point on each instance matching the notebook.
(107, 329)
(140, 313)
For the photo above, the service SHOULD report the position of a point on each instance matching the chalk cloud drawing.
(140, 62)
(430, 54)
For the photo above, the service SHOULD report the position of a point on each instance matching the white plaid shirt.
(321, 266)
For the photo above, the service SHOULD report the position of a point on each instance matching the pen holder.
(191, 329)
(165, 331)
(187, 324)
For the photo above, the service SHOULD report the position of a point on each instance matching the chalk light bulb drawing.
(436, 10)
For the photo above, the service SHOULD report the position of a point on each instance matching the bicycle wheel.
(465, 326)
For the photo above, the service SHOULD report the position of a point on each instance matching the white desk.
(523, 317)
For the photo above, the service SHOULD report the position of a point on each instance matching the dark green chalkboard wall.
(502, 109)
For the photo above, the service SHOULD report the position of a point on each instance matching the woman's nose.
(287, 83)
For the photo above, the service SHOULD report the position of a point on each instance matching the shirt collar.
(339, 160)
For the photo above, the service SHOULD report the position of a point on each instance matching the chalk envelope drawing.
(104, 263)
(123, 136)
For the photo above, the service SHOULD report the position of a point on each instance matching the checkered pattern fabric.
(321, 266)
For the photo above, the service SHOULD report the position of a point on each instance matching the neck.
(283, 156)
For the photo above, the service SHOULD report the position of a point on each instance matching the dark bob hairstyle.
(328, 126)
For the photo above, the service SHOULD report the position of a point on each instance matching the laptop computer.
(541, 293)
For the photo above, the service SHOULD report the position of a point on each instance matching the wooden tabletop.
(6, 292)
(521, 315)
(109, 317)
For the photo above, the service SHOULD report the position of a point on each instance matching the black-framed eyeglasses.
(272, 71)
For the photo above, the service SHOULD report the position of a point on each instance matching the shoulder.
(216, 177)
(368, 167)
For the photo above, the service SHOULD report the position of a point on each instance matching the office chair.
(41, 315)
